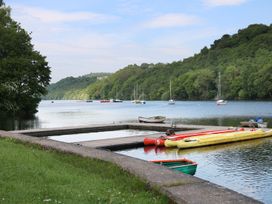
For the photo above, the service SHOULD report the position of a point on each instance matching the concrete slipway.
(180, 188)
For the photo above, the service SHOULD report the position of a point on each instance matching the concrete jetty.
(180, 188)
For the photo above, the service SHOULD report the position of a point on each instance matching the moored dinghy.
(254, 123)
(220, 101)
(182, 165)
(154, 119)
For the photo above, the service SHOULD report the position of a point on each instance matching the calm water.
(70, 113)
(245, 167)
(100, 135)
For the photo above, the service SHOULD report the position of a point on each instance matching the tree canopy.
(24, 72)
(73, 87)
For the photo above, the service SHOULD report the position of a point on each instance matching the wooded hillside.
(71, 87)
(243, 59)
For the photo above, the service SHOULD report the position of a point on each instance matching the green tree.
(24, 72)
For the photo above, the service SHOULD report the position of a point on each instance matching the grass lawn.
(29, 174)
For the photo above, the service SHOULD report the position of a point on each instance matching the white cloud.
(171, 20)
(54, 16)
(215, 3)
(76, 50)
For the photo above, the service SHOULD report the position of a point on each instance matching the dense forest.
(71, 87)
(243, 59)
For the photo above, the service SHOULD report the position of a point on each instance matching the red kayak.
(160, 141)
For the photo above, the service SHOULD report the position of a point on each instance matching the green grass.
(30, 174)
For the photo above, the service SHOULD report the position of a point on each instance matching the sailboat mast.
(219, 85)
(134, 93)
(170, 89)
(137, 91)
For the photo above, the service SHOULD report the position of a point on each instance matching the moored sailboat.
(220, 101)
(171, 101)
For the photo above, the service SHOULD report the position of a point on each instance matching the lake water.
(72, 113)
(245, 167)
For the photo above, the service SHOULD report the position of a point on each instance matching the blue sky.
(83, 36)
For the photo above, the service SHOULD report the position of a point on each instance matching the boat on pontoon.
(254, 123)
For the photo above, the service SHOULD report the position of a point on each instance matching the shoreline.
(178, 187)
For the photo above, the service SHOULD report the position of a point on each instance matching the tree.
(24, 72)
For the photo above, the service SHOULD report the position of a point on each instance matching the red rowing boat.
(160, 141)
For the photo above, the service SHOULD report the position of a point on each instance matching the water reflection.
(243, 166)
(17, 123)
(71, 113)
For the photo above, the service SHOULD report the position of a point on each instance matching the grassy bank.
(29, 174)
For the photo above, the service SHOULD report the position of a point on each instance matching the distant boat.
(171, 101)
(142, 96)
(89, 101)
(221, 102)
(136, 97)
(136, 101)
(116, 100)
(104, 101)
(143, 102)
(182, 165)
(253, 124)
(219, 93)
(257, 123)
(154, 119)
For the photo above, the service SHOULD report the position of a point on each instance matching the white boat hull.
(155, 119)
(221, 102)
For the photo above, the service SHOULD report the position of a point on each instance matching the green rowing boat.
(183, 165)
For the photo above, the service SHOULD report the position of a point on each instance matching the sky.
(83, 36)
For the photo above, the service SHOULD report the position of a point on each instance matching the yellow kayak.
(219, 139)
(171, 143)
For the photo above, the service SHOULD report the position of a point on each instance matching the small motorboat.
(182, 165)
(254, 123)
(171, 102)
(116, 100)
(221, 102)
(136, 101)
(104, 101)
(153, 119)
